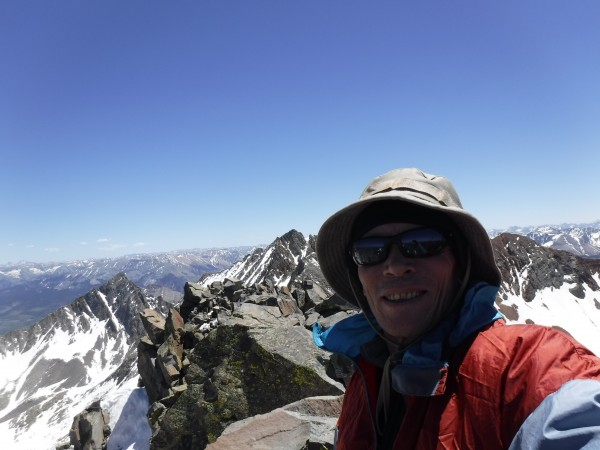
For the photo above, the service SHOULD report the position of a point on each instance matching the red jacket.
(505, 374)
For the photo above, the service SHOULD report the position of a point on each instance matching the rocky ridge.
(545, 267)
(232, 351)
(549, 287)
(288, 258)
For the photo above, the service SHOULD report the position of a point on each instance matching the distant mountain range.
(579, 239)
(30, 291)
(85, 350)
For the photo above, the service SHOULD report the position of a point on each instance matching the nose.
(396, 264)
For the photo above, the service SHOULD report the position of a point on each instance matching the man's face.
(408, 296)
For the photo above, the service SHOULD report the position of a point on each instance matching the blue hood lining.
(478, 310)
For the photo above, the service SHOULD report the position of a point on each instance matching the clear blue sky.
(143, 126)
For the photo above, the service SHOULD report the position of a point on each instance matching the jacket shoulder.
(514, 338)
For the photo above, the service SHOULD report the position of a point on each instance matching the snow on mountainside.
(82, 352)
(289, 258)
(549, 287)
(29, 291)
(579, 239)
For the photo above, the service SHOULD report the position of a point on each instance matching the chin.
(400, 337)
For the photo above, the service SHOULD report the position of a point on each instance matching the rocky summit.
(288, 258)
(234, 351)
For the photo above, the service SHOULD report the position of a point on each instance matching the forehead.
(390, 229)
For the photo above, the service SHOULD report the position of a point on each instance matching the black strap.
(394, 417)
(397, 411)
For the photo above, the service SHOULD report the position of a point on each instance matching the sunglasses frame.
(403, 246)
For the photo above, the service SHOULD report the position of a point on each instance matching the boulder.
(90, 429)
(174, 322)
(154, 324)
(307, 423)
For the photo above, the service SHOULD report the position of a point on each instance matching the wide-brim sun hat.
(408, 188)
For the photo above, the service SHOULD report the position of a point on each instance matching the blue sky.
(145, 126)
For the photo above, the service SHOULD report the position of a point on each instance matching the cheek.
(365, 279)
(447, 268)
(447, 283)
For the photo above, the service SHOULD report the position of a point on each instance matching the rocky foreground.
(235, 367)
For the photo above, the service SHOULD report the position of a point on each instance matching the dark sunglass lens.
(422, 242)
(369, 251)
(416, 243)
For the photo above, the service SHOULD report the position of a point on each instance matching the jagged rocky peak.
(294, 241)
(231, 351)
(117, 302)
(291, 258)
(527, 267)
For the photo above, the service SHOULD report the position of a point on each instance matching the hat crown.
(414, 182)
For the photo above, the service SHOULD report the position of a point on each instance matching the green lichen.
(301, 376)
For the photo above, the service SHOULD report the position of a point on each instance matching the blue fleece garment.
(345, 336)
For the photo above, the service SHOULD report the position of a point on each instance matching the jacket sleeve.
(568, 418)
(540, 360)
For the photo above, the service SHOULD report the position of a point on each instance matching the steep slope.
(288, 259)
(82, 352)
(549, 287)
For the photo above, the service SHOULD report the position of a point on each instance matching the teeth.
(403, 296)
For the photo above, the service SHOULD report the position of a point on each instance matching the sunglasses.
(414, 243)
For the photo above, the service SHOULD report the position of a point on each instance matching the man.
(436, 365)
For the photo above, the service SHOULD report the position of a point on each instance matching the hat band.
(439, 196)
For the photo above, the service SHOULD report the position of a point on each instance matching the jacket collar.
(420, 369)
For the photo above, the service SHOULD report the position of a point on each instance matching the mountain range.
(579, 239)
(85, 351)
(30, 291)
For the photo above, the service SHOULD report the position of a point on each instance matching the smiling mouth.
(404, 296)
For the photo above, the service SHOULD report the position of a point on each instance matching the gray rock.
(154, 324)
(247, 352)
(292, 427)
(90, 429)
